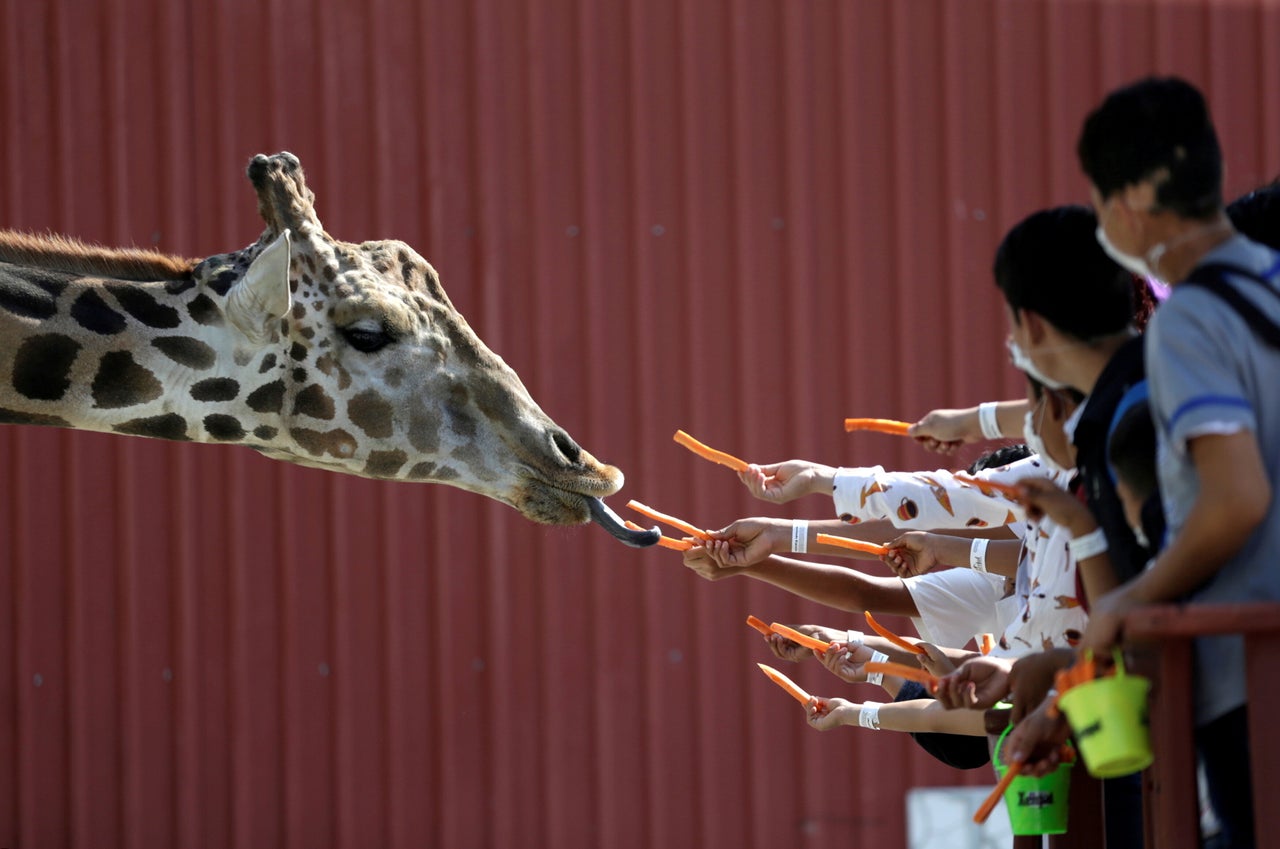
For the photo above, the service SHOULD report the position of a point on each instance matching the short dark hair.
(1155, 125)
(1002, 456)
(1257, 214)
(1051, 262)
(1131, 450)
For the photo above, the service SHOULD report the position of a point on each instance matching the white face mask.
(1036, 444)
(1132, 264)
(1022, 362)
(1146, 265)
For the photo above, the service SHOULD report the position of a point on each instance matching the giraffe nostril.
(567, 447)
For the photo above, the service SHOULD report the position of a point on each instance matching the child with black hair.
(1131, 452)
(1257, 214)
(1154, 164)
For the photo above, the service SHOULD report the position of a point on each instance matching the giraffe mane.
(60, 253)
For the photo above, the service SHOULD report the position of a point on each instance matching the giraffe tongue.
(611, 522)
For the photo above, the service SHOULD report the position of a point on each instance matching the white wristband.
(978, 554)
(854, 638)
(869, 716)
(800, 537)
(877, 677)
(1090, 545)
(988, 422)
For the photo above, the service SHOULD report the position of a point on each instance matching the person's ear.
(1140, 197)
(1036, 327)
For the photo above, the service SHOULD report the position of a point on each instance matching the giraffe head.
(319, 352)
(356, 361)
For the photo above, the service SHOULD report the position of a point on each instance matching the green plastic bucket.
(1035, 805)
(1108, 717)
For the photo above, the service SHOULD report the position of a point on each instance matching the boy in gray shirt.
(1155, 168)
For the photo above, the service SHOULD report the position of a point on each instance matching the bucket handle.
(1118, 657)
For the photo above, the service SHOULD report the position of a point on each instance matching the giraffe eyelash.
(366, 338)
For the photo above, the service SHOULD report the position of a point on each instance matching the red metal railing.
(1162, 638)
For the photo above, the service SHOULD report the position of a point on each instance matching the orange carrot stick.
(989, 487)
(989, 804)
(901, 670)
(664, 541)
(853, 544)
(986, 642)
(668, 520)
(803, 639)
(708, 453)
(759, 625)
(785, 683)
(889, 426)
(892, 637)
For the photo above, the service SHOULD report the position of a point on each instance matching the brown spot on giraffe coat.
(121, 382)
(384, 464)
(267, 398)
(143, 306)
(223, 428)
(186, 351)
(336, 443)
(92, 313)
(215, 389)
(314, 402)
(29, 299)
(18, 417)
(372, 413)
(42, 366)
(168, 426)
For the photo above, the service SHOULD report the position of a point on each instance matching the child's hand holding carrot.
(945, 431)
(913, 553)
(845, 661)
(779, 483)
(747, 542)
(826, 714)
(935, 661)
(786, 649)
(700, 561)
(1037, 740)
(977, 684)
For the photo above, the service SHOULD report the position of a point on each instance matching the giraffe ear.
(262, 295)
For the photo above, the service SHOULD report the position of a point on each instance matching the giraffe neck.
(120, 356)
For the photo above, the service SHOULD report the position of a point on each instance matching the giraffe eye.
(366, 338)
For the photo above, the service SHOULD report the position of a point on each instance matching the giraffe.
(340, 356)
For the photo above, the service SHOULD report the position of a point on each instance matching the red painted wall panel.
(740, 217)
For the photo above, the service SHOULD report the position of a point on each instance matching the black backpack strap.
(1213, 277)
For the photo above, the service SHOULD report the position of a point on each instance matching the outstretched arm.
(833, 586)
(920, 715)
(945, 431)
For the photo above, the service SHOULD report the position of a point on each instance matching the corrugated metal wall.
(746, 219)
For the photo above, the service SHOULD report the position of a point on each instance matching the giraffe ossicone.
(347, 357)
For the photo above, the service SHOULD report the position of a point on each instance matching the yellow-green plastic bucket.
(1108, 717)
(1035, 805)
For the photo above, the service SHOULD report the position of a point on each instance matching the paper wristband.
(800, 537)
(869, 716)
(978, 554)
(988, 422)
(853, 638)
(1090, 545)
(877, 678)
